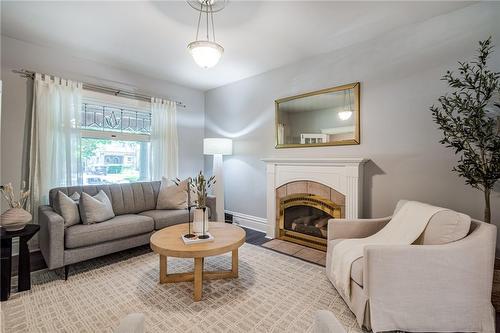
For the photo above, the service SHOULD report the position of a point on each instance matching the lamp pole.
(218, 147)
(219, 186)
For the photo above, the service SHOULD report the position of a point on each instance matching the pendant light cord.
(207, 22)
(198, 29)
(208, 10)
(213, 25)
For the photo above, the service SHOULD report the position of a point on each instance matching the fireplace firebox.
(303, 216)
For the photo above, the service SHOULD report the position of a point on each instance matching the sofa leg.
(66, 272)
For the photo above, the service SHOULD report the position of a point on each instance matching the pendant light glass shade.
(206, 54)
(344, 115)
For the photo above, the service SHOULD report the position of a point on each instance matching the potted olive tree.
(469, 119)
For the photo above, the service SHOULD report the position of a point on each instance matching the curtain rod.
(98, 88)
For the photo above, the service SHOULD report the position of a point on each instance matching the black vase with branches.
(470, 121)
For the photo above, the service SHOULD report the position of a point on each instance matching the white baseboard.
(249, 221)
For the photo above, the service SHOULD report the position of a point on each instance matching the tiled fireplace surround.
(339, 180)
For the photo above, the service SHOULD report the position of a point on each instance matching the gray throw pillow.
(95, 209)
(172, 196)
(67, 207)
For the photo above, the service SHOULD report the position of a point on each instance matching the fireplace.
(303, 193)
(303, 219)
(304, 210)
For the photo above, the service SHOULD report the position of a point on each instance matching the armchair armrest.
(355, 228)
(211, 203)
(51, 236)
(432, 288)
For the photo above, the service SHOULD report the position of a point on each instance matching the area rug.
(274, 293)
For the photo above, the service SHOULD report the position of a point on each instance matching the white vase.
(14, 219)
(198, 221)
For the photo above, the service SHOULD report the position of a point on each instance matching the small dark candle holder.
(204, 235)
(189, 234)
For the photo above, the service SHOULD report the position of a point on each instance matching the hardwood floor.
(255, 237)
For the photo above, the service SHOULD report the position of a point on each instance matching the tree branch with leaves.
(470, 121)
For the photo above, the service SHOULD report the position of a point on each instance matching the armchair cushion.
(356, 267)
(445, 227)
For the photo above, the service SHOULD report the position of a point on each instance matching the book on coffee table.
(197, 240)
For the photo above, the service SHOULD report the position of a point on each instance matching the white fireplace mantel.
(344, 174)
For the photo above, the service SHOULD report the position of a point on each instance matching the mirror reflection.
(325, 117)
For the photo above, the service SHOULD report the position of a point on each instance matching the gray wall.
(400, 79)
(16, 101)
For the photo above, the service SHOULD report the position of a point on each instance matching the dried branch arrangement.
(13, 201)
(200, 185)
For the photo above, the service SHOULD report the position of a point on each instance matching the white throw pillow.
(67, 207)
(95, 209)
(172, 196)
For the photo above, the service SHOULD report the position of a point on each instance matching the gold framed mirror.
(327, 117)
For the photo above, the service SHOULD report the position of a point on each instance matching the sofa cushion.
(167, 217)
(95, 209)
(172, 196)
(445, 227)
(356, 267)
(67, 207)
(118, 227)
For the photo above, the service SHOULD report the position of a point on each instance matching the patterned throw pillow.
(95, 209)
(67, 207)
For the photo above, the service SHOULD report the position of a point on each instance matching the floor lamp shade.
(218, 147)
(214, 146)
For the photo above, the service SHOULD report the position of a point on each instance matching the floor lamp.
(218, 147)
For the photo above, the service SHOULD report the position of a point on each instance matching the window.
(115, 144)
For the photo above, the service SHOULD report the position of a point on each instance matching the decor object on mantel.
(206, 53)
(218, 147)
(471, 124)
(16, 217)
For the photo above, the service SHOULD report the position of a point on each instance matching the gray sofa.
(136, 219)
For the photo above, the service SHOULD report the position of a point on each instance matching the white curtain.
(164, 141)
(55, 136)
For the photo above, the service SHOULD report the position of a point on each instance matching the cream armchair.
(444, 287)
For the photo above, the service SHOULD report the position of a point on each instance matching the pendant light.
(347, 112)
(206, 52)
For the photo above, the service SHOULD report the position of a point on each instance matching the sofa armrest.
(431, 288)
(355, 228)
(51, 236)
(211, 203)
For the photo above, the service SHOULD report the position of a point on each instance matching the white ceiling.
(151, 37)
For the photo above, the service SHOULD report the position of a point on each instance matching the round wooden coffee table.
(168, 243)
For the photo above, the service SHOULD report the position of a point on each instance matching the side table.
(24, 274)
